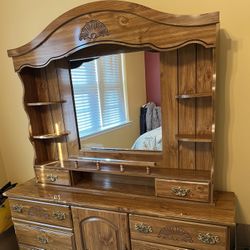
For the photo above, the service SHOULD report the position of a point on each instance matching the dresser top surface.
(221, 213)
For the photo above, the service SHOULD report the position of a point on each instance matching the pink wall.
(152, 68)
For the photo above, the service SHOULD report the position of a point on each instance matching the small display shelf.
(195, 95)
(155, 172)
(194, 138)
(39, 104)
(50, 136)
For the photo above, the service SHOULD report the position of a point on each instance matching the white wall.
(3, 178)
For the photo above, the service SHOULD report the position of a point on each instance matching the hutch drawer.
(53, 176)
(41, 212)
(142, 245)
(184, 190)
(43, 237)
(183, 234)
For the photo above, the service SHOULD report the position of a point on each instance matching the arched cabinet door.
(100, 230)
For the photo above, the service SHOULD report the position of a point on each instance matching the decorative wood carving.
(129, 24)
(38, 212)
(175, 233)
(92, 30)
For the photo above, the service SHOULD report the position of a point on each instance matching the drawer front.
(182, 190)
(44, 238)
(53, 176)
(41, 212)
(178, 233)
(142, 245)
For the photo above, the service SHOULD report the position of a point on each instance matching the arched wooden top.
(115, 22)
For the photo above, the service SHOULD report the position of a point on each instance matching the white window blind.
(98, 90)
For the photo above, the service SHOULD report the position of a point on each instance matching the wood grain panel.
(183, 234)
(98, 229)
(64, 79)
(133, 28)
(45, 238)
(56, 110)
(143, 245)
(127, 7)
(182, 190)
(186, 85)
(204, 107)
(169, 108)
(41, 212)
(205, 69)
(26, 247)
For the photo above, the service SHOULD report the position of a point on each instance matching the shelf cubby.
(194, 95)
(50, 136)
(194, 138)
(41, 104)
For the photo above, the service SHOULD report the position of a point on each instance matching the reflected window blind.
(99, 95)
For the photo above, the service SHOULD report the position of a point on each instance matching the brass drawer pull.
(17, 208)
(208, 238)
(59, 215)
(143, 228)
(181, 192)
(43, 239)
(52, 178)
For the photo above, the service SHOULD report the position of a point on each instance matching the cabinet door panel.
(100, 230)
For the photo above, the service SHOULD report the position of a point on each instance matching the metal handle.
(143, 228)
(208, 238)
(43, 239)
(52, 178)
(59, 215)
(181, 192)
(17, 208)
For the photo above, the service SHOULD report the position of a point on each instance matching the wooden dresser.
(114, 198)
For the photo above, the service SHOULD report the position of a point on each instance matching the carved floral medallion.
(175, 233)
(92, 30)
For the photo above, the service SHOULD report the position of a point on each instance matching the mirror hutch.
(114, 198)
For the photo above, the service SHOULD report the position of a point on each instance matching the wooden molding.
(117, 23)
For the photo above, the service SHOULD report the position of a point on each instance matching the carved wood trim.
(175, 233)
(92, 30)
(115, 22)
(127, 7)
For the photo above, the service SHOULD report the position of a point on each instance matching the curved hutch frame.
(123, 199)
(188, 79)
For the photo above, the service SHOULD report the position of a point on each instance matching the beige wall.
(125, 136)
(21, 20)
(3, 178)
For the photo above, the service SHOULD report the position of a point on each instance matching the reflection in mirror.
(117, 101)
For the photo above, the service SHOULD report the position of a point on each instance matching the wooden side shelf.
(196, 95)
(156, 172)
(194, 138)
(38, 104)
(50, 136)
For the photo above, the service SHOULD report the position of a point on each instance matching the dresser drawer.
(193, 191)
(44, 238)
(143, 245)
(53, 176)
(178, 233)
(41, 212)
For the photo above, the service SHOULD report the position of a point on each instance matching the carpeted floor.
(8, 240)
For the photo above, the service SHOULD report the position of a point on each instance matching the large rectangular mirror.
(117, 101)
